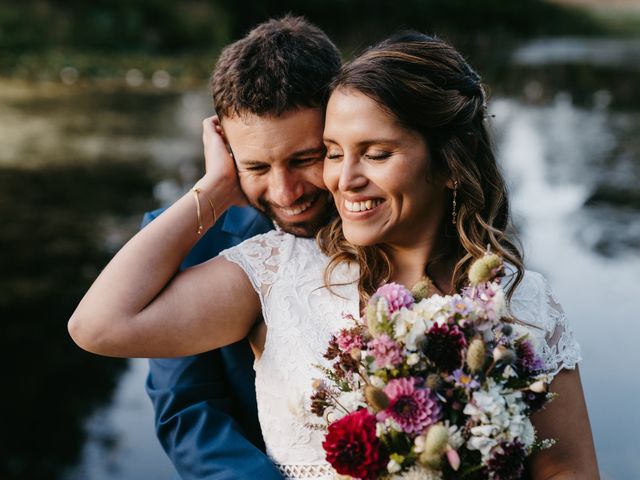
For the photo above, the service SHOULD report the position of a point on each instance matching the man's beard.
(306, 229)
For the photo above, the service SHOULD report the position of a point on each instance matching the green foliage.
(154, 26)
(165, 26)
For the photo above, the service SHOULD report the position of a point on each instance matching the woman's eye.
(377, 155)
(333, 155)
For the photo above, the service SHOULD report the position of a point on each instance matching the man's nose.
(351, 175)
(285, 188)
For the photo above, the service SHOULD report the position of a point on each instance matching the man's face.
(279, 161)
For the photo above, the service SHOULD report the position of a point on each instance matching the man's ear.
(220, 129)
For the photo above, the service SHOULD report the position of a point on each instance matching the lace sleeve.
(536, 308)
(258, 257)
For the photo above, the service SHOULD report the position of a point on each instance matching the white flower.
(349, 400)
(412, 359)
(400, 327)
(484, 430)
(391, 424)
(499, 304)
(403, 320)
(419, 443)
(334, 414)
(509, 372)
(377, 381)
(418, 473)
(499, 416)
(433, 309)
(352, 400)
(415, 335)
(456, 438)
(393, 466)
(482, 444)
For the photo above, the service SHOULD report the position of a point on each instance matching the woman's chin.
(360, 238)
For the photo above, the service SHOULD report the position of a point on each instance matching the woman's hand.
(220, 167)
(140, 306)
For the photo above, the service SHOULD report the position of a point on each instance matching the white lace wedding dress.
(301, 315)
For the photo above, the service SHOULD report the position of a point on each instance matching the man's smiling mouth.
(298, 209)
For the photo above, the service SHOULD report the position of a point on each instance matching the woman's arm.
(566, 420)
(139, 307)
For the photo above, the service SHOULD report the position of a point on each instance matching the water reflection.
(52, 244)
(75, 176)
(557, 159)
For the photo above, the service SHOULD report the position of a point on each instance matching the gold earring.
(454, 214)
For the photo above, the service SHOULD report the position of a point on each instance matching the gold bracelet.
(197, 191)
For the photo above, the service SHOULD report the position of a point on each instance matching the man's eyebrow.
(250, 163)
(306, 152)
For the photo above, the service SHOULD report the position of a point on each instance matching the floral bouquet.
(432, 387)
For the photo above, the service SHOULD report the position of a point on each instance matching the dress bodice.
(301, 314)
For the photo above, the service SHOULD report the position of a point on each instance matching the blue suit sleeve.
(202, 418)
(194, 424)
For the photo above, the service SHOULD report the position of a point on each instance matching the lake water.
(79, 166)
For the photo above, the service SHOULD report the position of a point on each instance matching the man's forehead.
(268, 138)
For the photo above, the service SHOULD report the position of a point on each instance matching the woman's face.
(379, 174)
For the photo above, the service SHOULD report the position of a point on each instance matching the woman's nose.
(351, 175)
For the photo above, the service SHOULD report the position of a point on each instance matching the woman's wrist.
(213, 197)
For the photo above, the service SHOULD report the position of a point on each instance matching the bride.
(415, 182)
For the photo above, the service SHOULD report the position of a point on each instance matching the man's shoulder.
(242, 222)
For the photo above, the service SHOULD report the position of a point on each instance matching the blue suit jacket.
(205, 405)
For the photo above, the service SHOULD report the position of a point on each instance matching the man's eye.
(301, 162)
(377, 155)
(257, 168)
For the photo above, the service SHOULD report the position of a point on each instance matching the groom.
(269, 91)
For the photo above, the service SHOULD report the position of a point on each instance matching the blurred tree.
(166, 26)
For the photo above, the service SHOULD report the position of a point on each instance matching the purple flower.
(461, 306)
(413, 409)
(489, 299)
(396, 295)
(385, 351)
(527, 361)
(466, 381)
(507, 461)
(535, 400)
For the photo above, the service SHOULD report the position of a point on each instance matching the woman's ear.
(451, 183)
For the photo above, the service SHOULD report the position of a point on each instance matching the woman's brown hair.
(429, 88)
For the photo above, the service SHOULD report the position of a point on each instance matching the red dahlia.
(353, 448)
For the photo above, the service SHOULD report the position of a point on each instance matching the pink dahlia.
(414, 409)
(385, 351)
(396, 295)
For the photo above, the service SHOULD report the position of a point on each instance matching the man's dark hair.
(280, 65)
